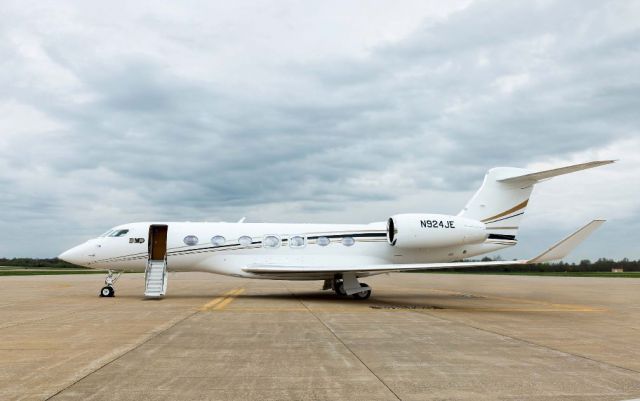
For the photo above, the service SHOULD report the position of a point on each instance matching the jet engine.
(433, 231)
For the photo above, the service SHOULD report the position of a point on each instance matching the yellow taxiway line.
(221, 302)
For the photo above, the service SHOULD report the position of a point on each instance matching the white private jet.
(339, 254)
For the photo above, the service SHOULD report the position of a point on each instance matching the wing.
(287, 269)
(555, 252)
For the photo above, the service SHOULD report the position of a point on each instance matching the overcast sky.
(332, 111)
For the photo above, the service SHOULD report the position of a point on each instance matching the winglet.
(546, 174)
(564, 247)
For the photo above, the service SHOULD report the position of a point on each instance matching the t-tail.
(502, 199)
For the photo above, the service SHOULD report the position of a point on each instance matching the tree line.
(35, 262)
(586, 265)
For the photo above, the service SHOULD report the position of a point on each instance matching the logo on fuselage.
(136, 240)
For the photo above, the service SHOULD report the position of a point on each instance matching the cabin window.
(271, 241)
(323, 241)
(118, 233)
(297, 241)
(245, 240)
(348, 241)
(190, 240)
(218, 240)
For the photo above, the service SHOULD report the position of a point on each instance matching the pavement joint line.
(522, 340)
(518, 300)
(152, 336)
(557, 307)
(390, 304)
(217, 300)
(135, 347)
(343, 343)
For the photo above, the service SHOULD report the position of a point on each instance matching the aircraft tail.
(502, 199)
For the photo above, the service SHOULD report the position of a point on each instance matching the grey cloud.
(428, 106)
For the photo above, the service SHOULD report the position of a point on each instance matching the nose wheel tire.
(107, 291)
(362, 295)
(340, 289)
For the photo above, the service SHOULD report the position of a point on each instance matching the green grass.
(554, 274)
(32, 272)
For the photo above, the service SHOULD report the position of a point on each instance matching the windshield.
(115, 233)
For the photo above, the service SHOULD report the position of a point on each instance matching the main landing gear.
(348, 284)
(109, 281)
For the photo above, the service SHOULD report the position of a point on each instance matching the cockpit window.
(106, 234)
(118, 233)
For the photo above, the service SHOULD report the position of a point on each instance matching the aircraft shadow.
(388, 301)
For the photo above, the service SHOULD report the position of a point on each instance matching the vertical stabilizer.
(502, 199)
(500, 205)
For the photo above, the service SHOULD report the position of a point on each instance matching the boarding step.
(155, 279)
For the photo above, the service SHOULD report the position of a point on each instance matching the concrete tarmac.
(419, 337)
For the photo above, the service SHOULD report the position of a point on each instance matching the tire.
(362, 295)
(340, 289)
(107, 291)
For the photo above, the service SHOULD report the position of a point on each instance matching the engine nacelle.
(433, 231)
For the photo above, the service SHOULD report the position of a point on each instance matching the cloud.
(297, 112)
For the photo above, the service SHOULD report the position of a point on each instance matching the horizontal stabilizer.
(546, 174)
(564, 247)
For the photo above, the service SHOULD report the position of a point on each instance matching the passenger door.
(158, 241)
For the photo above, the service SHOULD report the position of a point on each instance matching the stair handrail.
(164, 274)
(146, 274)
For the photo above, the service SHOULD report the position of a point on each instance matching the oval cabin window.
(218, 240)
(323, 241)
(297, 241)
(348, 241)
(271, 241)
(245, 240)
(190, 240)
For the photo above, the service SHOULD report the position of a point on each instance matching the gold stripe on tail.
(506, 212)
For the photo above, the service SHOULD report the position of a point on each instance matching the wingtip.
(565, 246)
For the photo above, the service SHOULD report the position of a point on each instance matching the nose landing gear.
(109, 281)
(107, 291)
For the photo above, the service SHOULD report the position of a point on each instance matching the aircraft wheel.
(340, 289)
(107, 291)
(362, 295)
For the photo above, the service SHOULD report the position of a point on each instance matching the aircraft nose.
(77, 255)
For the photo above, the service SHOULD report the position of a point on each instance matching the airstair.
(155, 279)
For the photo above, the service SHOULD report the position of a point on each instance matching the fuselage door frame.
(158, 241)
